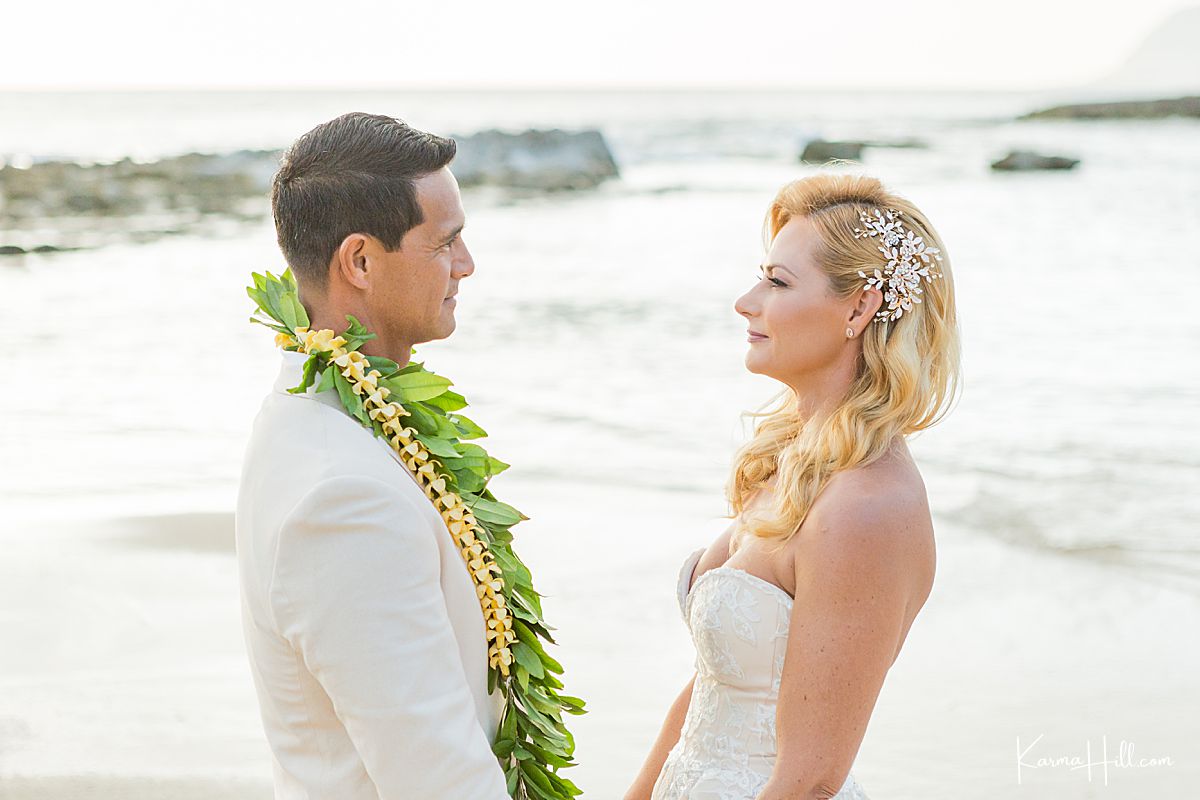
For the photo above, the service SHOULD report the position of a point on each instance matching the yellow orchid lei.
(423, 427)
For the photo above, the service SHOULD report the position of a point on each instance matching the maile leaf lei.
(423, 426)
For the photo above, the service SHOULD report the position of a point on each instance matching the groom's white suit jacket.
(366, 640)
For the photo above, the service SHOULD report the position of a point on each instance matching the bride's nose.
(745, 305)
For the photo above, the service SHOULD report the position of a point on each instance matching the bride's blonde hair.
(905, 381)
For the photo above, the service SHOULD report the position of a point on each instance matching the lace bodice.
(726, 749)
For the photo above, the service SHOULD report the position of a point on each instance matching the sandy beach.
(131, 680)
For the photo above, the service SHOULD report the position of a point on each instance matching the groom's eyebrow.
(453, 234)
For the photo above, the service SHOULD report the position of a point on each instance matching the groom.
(366, 639)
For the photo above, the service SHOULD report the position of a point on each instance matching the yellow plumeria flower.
(322, 340)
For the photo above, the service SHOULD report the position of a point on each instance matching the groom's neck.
(398, 352)
(322, 316)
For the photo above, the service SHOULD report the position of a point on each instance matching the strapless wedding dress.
(726, 750)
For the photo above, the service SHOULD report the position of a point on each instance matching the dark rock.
(1026, 160)
(209, 183)
(11, 250)
(549, 160)
(907, 144)
(1129, 109)
(819, 151)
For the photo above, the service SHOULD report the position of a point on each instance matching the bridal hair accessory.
(908, 261)
(415, 412)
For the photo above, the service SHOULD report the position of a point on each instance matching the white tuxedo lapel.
(366, 639)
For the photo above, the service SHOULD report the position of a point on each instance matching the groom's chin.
(446, 326)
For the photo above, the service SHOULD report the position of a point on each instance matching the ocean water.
(603, 320)
(598, 345)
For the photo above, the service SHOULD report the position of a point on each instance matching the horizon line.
(465, 88)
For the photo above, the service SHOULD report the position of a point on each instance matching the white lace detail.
(726, 749)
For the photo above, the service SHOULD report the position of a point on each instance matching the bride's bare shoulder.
(879, 509)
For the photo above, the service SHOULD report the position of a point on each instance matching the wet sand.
(99, 787)
(130, 679)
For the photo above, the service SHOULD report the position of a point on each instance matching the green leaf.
(350, 401)
(542, 703)
(326, 382)
(310, 369)
(467, 481)
(274, 293)
(468, 462)
(448, 401)
(256, 295)
(272, 326)
(420, 419)
(287, 311)
(548, 756)
(298, 310)
(445, 429)
(513, 570)
(466, 428)
(437, 446)
(416, 386)
(503, 748)
(522, 677)
(494, 511)
(384, 365)
(528, 659)
(574, 702)
(356, 335)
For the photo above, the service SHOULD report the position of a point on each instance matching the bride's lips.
(755, 336)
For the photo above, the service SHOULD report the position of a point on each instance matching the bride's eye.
(762, 275)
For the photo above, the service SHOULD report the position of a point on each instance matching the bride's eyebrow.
(768, 268)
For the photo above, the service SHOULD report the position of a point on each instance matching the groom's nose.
(463, 264)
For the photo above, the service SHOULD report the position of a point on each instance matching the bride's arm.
(857, 571)
(643, 785)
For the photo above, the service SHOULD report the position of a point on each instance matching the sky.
(1018, 44)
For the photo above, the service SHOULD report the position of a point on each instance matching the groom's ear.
(351, 264)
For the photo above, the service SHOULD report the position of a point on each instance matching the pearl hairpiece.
(909, 260)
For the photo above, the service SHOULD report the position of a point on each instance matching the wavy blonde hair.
(906, 378)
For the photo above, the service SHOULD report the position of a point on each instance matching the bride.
(800, 608)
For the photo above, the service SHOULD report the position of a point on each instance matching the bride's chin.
(755, 363)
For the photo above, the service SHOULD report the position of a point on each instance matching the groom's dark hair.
(353, 174)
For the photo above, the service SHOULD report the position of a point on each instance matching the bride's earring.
(849, 333)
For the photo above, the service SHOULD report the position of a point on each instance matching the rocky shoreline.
(1127, 109)
(63, 205)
